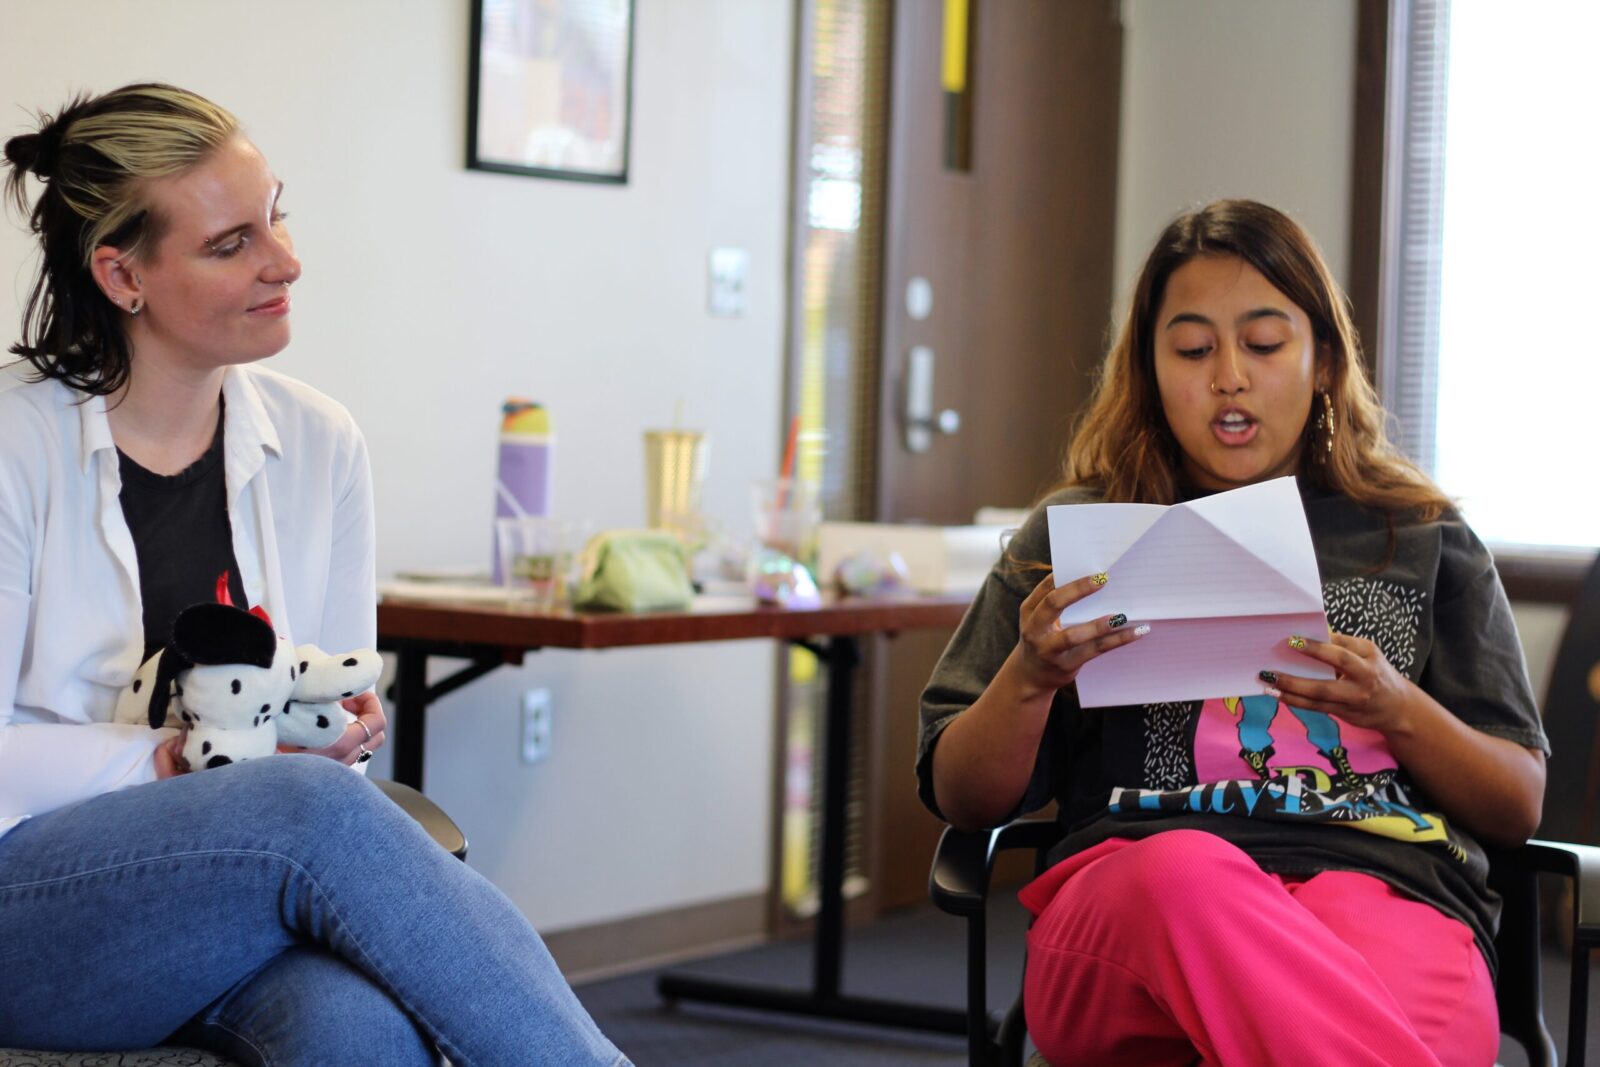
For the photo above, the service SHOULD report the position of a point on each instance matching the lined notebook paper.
(1223, 581)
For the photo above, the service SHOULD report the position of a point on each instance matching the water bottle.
(522, 477)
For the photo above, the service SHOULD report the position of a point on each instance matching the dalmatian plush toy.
(241, 689)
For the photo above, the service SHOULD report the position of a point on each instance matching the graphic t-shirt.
(1298, 790)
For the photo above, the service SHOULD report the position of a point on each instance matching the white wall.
(430, 293)
(1236, 98)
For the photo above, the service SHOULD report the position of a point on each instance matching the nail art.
(1099, 579)
(1268, 676)
(1117, 620)
(1142, 629)
(1271, 692)
(1297, 643)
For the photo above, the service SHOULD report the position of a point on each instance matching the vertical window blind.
(1413, 222)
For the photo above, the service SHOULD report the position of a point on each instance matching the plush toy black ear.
(172, 662)
(221, 633)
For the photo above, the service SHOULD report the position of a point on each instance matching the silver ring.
(364, 729)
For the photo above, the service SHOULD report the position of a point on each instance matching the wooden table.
(489, 635)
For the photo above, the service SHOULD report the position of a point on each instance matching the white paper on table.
(1222, 581)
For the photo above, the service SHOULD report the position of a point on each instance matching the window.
(1488, 264)
(840, 140)
(1519, 363)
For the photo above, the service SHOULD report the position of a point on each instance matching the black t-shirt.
(1332, 797)
(181, 536)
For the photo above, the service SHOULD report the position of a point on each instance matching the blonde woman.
(281, 910)
(1290, 875)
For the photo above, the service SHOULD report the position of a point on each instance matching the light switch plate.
(727, 271)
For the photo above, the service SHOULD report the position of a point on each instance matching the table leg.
(410, 694)
(410, 710)
(842, 655)
(823, 999)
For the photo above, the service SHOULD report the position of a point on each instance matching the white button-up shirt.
(299, 495)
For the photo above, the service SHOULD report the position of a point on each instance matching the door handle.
(921, 423)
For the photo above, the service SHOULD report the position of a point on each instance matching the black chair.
(440, 827)
(1572, 722)
(432, 818)
(959, 884)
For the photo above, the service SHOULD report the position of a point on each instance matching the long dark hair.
(1124, 447)
(96, 158)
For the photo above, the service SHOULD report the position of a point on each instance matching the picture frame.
(550, 88)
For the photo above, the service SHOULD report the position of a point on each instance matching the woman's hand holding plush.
(365, 734)
(169, 757)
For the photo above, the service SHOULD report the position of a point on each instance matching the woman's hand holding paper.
(1366, 691)
(1049, 655)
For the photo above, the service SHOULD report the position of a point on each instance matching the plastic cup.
(674, 472)
(537, 558)
(787, 513)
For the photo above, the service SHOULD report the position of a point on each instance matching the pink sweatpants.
(1178, 949)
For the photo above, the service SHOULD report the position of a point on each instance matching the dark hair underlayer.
(96, 158)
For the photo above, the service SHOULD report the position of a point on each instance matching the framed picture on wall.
(550, 88)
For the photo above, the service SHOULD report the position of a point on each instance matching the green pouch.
(634, 570)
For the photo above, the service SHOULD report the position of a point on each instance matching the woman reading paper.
(1343, 917)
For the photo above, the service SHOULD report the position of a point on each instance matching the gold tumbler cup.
(674, 473)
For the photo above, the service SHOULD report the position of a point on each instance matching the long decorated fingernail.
(1268, 676)
(1142, 629)
(1119, 619)
(1271, 692)
(1099, 579)
(1297, 643)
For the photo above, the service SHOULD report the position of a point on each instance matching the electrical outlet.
(535, 725)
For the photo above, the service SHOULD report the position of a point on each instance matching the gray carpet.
(916, 956)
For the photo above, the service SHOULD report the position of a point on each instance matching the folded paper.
(1223, 582)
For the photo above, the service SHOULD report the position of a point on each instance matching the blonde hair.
(96, 158)
(1123, 446)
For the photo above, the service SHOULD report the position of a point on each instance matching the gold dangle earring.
(1325, 425)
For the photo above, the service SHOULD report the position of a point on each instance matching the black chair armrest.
(1581, 863)
(959, 880)
(432, 818)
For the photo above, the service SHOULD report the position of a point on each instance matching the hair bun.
(30, 152)
(40, 152)
(36, 152)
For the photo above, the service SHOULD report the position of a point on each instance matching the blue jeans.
(281, 911)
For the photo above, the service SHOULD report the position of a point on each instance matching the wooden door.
(1017, 253)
